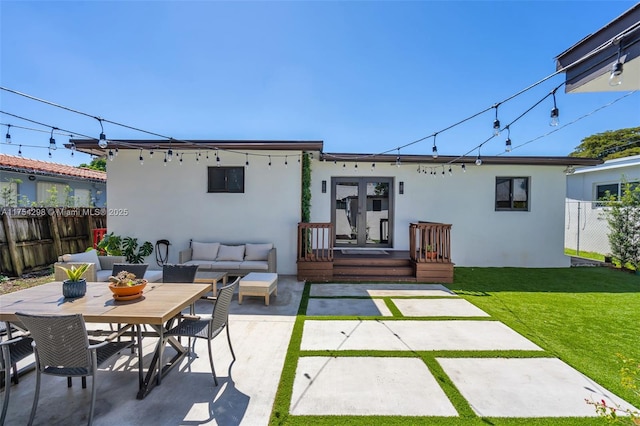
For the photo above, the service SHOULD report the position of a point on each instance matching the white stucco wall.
(171, 202)
(481, 236)
(582, 184)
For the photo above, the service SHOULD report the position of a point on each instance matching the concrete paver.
(347, 307)
(412, 335)
(438, 308)
(527, 387)
(380, 290)
(367, 386)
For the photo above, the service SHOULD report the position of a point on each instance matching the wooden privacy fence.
(32, 238)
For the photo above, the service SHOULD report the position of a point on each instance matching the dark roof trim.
(600, 49)
(90, 146)
(428, 160)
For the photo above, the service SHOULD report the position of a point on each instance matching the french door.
(362, 211)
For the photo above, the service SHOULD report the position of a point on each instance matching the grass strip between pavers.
(281, 416)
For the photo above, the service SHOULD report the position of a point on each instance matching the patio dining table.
(160, 302)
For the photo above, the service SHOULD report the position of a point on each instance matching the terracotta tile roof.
(26, 165)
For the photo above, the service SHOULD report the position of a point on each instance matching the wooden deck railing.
(430, 242)
(315, 242)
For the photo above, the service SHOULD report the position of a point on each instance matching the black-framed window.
(225, 179)
(512, 193)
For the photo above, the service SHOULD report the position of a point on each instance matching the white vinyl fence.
(586, 227)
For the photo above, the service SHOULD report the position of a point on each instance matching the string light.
(555, 112)
(373, 166)
(50, 153)
(398, 158)
(507, 147)
(246, 163)
(20, 151)
(165, 159)
(52, 141)
(8, 135)
(269, 162)
(141, 158)
(169, 155)
(286, 163)
(102, 141)
(450, 171)
(218, 162)
(464, 168)
(435, 148)
(496, 122)
(615, 79)
(110, 155)
(478, 158)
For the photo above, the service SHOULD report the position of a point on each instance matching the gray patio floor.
(331, 385)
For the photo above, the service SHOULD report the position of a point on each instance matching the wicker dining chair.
(137, 269)
(62, 348)
(179, 273)
(209, 326)
(13, 351)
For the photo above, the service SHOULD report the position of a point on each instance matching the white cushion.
(103, 275)
(90, 256)
(224, 265)
(206, 264)
(258, 265)
(235, 253)
(204, 251)
(257, 251)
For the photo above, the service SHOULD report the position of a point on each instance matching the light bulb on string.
(555, 112)
(218, 161)
(373, 166)
(20, 150)
(110, 155)
(102, 140)
(615, 78)
(356, 166)
(117, 151)
(464, 168)
(141, 158)
(450, 171)
(286, 163)
(50, 153)
(169, 155)
(478, 158)
(443, 171)
(435, 148)
(246, 157)
(151, 154)
(507, 146)
(269, 162)
(52, 141)
(398, 161)
(165, 159)
(73, 146)
(181, 155)
(7, 137)
(496, 122)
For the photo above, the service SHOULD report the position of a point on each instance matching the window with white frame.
(604, 191)
(82, 197)
(8, 194)
(512, 194)
(51, 194)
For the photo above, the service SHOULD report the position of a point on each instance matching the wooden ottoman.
(258, 284)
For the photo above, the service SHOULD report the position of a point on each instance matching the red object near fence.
(98, 233)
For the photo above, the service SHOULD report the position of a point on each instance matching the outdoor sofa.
(236, 260)
(100, 267)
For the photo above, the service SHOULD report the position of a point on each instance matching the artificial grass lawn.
(583, 316)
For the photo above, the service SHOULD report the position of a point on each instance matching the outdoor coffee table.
(211, 277)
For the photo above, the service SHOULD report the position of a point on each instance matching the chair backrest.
(137, 269)
(221, 307)
(60, 340)
(179, 273)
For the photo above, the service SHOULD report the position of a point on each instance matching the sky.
(363, 77)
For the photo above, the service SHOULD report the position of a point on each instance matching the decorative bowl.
(125, 290)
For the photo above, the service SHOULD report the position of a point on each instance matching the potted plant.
(430, 252)
(126, 285)
(75, 285)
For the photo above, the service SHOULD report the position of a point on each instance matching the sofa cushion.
(235, 253)
(205, 264)
(257, 251)
(90, 256)
(153, 275)
(103, 275)
(204, 251)
(223, 265)
(256, 265)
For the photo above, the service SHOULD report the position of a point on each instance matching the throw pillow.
(235, 253)
(90, 256)
(204, 251)
(257, 251)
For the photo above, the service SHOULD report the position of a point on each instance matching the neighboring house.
(591, 61)
(586, 227)
(507, 212)
(29, 182)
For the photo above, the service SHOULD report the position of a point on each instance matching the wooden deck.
(428, 259)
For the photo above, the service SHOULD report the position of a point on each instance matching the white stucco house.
(509, 211)
(586, 227)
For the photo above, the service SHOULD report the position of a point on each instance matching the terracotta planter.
(73, 289)
(124, 291)
(431, 255)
